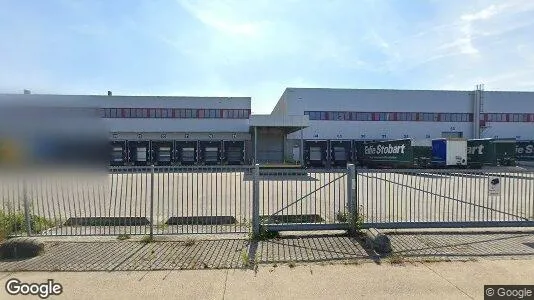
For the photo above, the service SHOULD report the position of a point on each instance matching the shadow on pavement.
(236, 253)
(462, 245)
(191, 254)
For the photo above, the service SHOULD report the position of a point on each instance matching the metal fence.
(242, 199)
(129, 200)
(304, 199)
(445, 198)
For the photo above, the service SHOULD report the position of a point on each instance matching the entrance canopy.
(288, 123)
(270, 132)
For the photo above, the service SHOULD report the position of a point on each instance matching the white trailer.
(448, 152)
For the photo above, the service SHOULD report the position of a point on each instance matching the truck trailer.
(491, 152)
(524, 150)
(405, 153)
(449, 152)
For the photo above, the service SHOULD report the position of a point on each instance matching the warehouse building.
(306, 124)
(339, 117)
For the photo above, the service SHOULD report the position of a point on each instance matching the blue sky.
(257, 48)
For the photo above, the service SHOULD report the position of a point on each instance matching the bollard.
(351, 197)
(256, 200)
(151, 201)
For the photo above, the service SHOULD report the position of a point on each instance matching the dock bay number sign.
(494, 188)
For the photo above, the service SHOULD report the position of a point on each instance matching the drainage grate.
(202, 220)
(107, 221)
(278, 219)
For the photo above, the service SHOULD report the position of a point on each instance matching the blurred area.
(51, 135)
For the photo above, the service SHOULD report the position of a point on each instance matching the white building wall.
(378, 130)
(509, 102)
(177, 125)
(150, 124)
(297, 101)
(300, 100)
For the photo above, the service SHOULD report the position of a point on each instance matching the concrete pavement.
(233, 251)
(442, 280)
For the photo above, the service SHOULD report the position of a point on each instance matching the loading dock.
(210, 152)
(186, 152)
(316, 153)
(340, 152)
(139, 153)
(119, 153)
(234, 152)
(163, 152)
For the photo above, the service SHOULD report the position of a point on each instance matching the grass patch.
(190, 242)
(355, 222)
(15, 224)
(264, 235)
(435, 260)
(245, 259)
(396, 259)
(248, 262)
(123, 237)
(147, 239)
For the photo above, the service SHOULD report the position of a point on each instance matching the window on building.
(323, 115)
(126, 112)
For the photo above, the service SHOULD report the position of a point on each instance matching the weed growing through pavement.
(147, 239)
(123, 237)
(189, 242)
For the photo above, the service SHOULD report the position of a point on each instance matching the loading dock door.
(340, 154)
(117, 155)
(211, 155)
(164, 154)
(270, 145)
(316, 154)
(188, 155)
(141, 154)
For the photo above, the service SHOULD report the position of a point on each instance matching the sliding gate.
(304, 199)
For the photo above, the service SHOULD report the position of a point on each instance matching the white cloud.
(220, 16)
(483, 14)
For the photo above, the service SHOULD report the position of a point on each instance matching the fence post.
(256, 200)
(351, 196)
(151, 201)
(26, 208)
